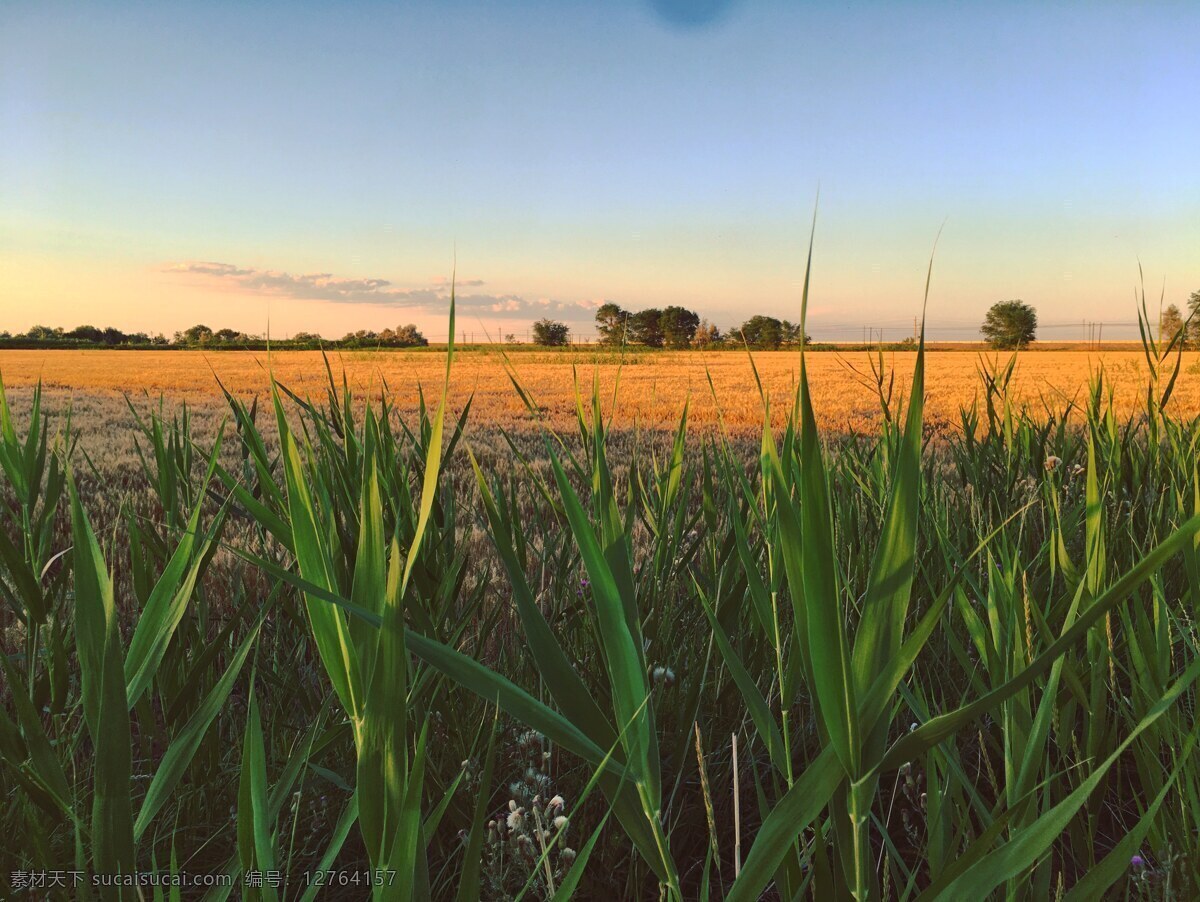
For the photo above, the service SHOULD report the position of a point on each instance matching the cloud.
(209, 269)
(442, 281)
(326, 287)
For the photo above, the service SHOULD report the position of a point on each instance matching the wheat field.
(653, 387)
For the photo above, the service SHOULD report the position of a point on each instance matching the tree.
(678, 325)
(196, 335)
(409, 336)
(611, 322)
(44, 333)
(764, 332)
(793, 334)
(706, 335)
(550, 333)
(1193, 335)
(1010, 324)
(86, 333)
(361, 338)
(645, 328)
(1170, 324)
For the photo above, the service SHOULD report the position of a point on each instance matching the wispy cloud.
(327, 287)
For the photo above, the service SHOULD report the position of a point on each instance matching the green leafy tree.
(1193, 336)
(764, 332)
(611, 323)
(678, 326)
(792, 334)
(1010, 324)
(196, 335)
(1170, 324)
(86, 333)
(551, 333)
(645, 328)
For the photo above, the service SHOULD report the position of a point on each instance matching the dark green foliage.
(678, 326)
(765, 332)
(612, 324)
(645, 328)
(550, 333)
(1010, 325)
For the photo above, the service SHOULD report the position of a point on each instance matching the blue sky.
(321, 165)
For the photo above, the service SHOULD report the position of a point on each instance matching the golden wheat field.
(652, 389)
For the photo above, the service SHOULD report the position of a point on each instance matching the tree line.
(1007, 325)
(201, 336)
(672, 327)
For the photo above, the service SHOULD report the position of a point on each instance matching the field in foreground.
(872, 666)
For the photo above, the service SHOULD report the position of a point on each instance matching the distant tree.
(1010, 324)
(645, 328)
(611, 322)
(550, 333)
(137, 338)
(363, 338)
(159, 339)
(510, 339)
(792, 334)
(1170, 324)
(86, 333)
(113, 336)
(409, 336)
(306, 338)
(1193, 336)
(678, 326)
(44, 333)
(764, 332)
(706, 335)
(196, 335)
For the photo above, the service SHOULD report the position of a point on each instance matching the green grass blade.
(1019, 853)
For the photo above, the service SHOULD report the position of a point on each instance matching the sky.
(331, 167)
